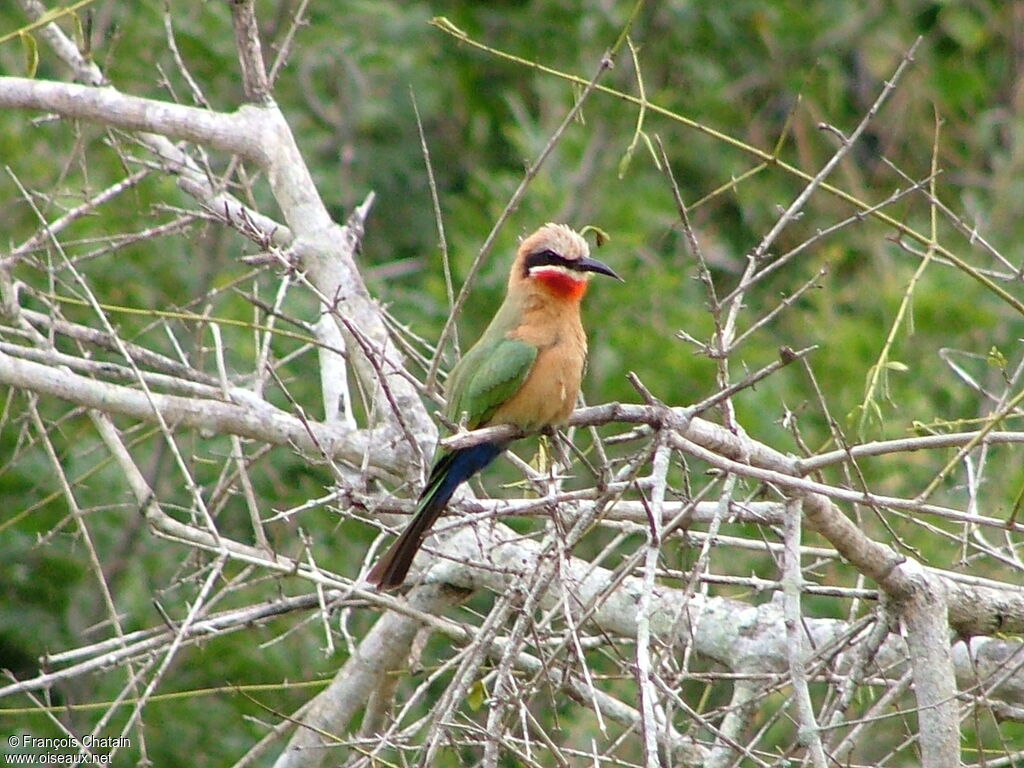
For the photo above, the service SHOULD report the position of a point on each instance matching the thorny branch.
(559, 622)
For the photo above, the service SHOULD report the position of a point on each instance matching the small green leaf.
(996, 359)
(83, 32)
(28, 44)
(542, 459)
(627, 158)
(477, 696)
(600, 236)
(894, 365)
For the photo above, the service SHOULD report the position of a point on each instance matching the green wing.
(488, 375)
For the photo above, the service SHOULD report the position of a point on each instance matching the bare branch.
(241, 132)
(244, 416)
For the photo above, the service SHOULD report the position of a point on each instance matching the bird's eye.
(545, 258)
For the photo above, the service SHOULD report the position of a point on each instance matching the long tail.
(447, 474)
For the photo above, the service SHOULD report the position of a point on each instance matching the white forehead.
(561, 239)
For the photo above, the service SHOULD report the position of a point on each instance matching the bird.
(525, 370)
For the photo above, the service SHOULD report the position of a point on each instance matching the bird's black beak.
(593, 265)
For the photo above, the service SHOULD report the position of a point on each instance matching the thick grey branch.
(744, 456)
(238, 132)
(925, 618)
(383, 650)
(247, 416)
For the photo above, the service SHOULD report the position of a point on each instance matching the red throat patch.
(560, 284)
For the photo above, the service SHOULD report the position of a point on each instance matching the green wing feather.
(487, 376)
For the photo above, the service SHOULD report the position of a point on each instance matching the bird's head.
(557, 260)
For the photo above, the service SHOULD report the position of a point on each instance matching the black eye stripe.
(545, 258)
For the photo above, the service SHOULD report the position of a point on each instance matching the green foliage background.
(765, 74)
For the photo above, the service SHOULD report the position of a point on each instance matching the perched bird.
(525, 371)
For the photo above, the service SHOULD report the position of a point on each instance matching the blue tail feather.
(455, 468)
(448, 473)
